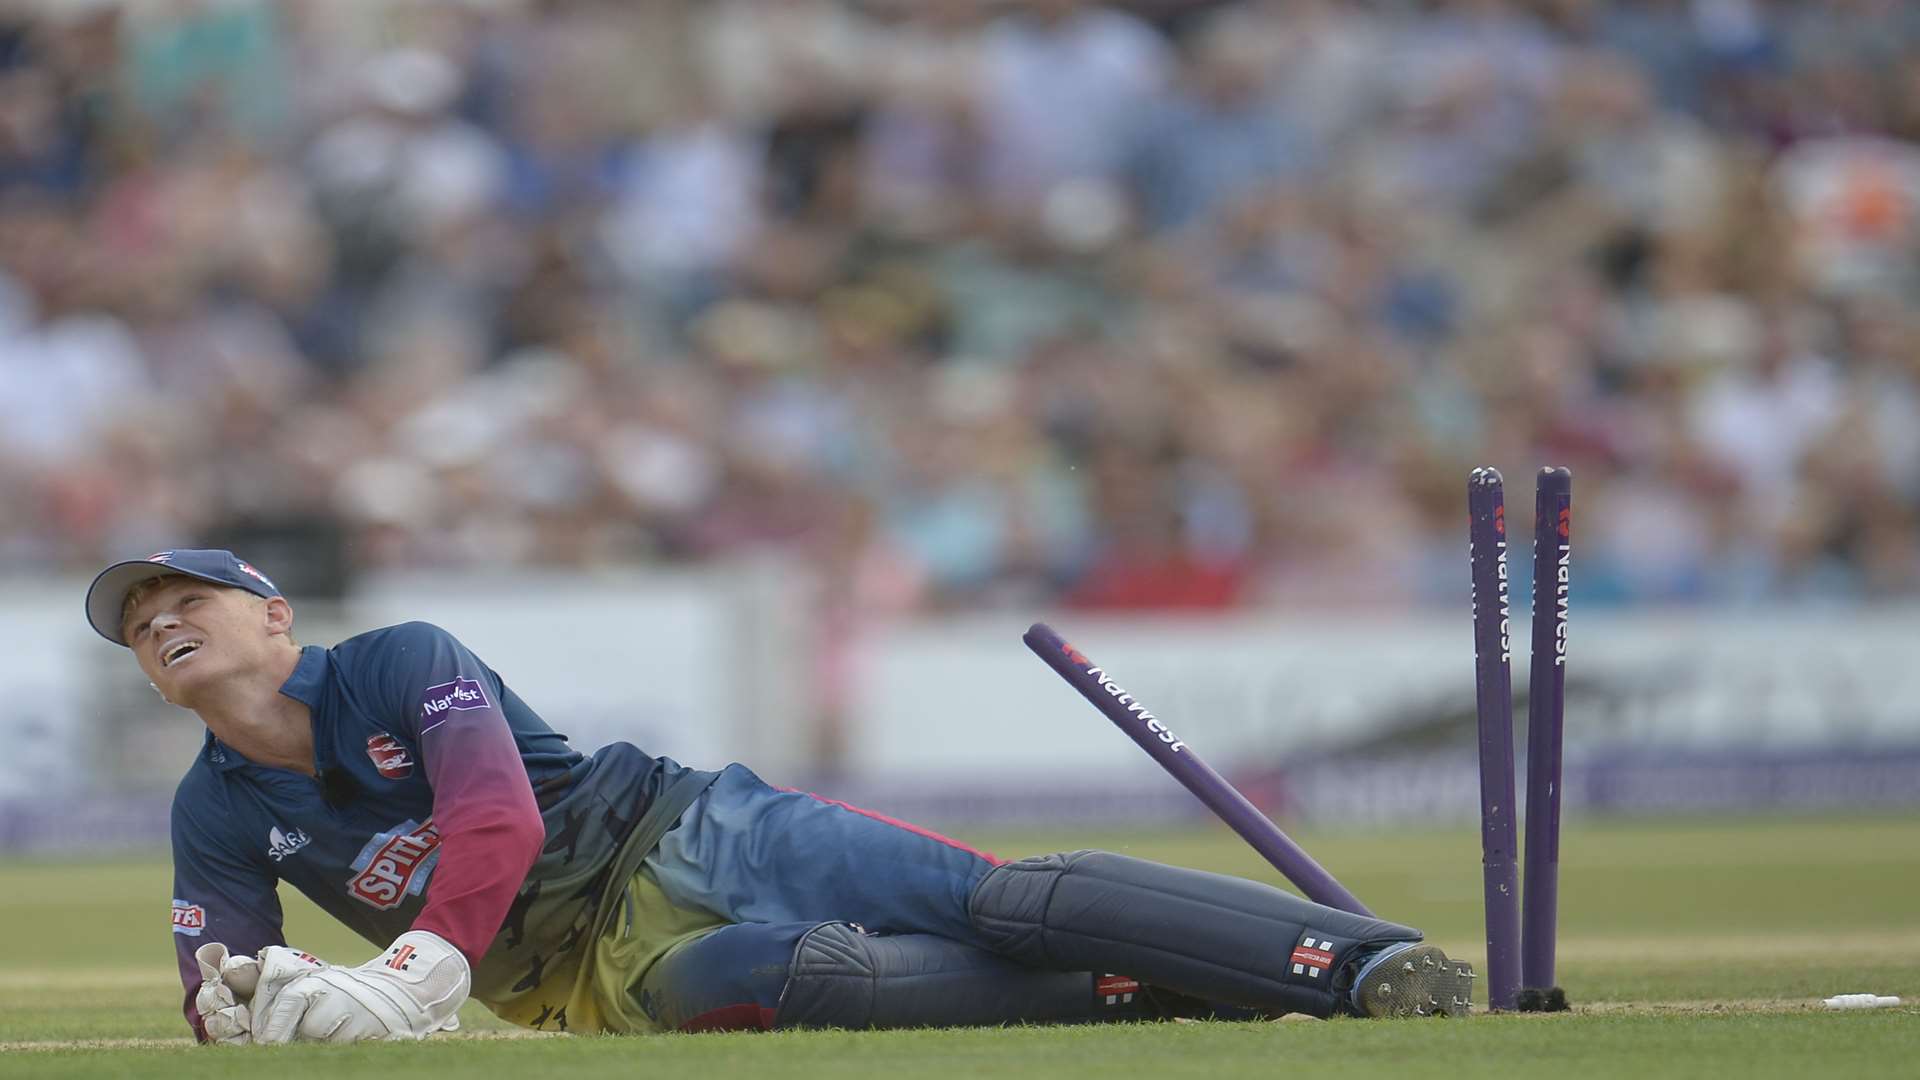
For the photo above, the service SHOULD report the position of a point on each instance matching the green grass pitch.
(1689, 949)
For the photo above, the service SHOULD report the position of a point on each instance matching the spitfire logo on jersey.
(389, 756)
(189, 919)
(395, 865)
(438, 701)
(280, 845)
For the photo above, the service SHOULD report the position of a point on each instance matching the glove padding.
(408, 992)
(226, 985)
(231, 986)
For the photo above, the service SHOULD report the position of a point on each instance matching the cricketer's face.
(187, 634)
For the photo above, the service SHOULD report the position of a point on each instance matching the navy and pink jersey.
(442, 803)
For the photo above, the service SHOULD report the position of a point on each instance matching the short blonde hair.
(140, 590)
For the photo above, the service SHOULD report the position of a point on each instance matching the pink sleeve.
(490, 826)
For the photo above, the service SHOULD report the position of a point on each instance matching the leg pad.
(844, 977)
(1211, 936)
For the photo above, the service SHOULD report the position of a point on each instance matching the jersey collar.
(221, 756)
(305, 685)
(309, 677)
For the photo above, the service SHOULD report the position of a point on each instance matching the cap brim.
(107, 596)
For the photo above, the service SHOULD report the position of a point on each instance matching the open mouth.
(179, 651)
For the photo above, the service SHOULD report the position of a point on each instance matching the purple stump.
(1546, 719)
(1129, 715)
(1493, 684)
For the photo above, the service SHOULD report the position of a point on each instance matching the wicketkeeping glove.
(230, 985)
(226, 985)
(408, 992)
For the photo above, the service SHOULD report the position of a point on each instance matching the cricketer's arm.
(490, 826)
(223, 892)
(490, 831)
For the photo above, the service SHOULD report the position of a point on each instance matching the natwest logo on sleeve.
(188, 919)
(436, 702)
(395, 865)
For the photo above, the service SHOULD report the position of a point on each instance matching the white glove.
(408, 992)
(226, 985)
(233, 988)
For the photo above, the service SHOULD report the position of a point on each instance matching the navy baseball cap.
(107, 596)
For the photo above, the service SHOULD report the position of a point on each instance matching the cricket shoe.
(1413, 980)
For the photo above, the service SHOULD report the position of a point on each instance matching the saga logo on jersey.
(188, 919)
(280, 845)
(395, 865)
(389, 756)
(437, 701)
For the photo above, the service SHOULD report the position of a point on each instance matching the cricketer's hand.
(226, 985)
(408, 992)
(234, 988)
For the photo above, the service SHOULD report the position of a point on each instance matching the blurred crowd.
(1129, 306)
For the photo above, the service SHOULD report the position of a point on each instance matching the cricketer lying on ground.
(443, 820)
